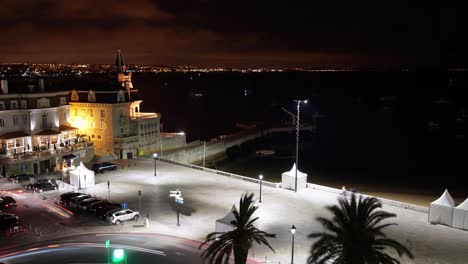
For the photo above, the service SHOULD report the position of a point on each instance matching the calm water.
(391, 130)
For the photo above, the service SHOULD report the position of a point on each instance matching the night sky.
(319, 34)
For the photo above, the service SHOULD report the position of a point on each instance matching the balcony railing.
(60, 151)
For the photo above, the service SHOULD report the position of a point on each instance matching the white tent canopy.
(82, 177)
(288, 179)
(460, 216)
(441, 210)
(224, 224)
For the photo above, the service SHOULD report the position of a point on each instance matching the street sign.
(179, 200)
(124, 205)
(176, 193)
(107, 243)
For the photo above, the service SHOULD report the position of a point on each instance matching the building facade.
(109, 115)
(35, 131)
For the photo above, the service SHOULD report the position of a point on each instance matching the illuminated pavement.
(209, 197)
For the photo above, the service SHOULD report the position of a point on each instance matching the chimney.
(41, 85)
(4, 86)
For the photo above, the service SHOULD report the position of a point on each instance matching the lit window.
(103, 114)
(103, 125)
(91, 112)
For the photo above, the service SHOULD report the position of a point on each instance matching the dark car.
(101, 212)
(65, 197)
(73, 203)
(84, 204)
(103, 167)
(10, 222)
(101, 204)
(7, 215)
(38, 182)
(45, 186)
(7, 202)
(20, 178)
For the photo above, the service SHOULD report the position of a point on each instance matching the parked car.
(45, 186)
(38, 182)
(7, 202)
(7, 215)
(103, 167)
(101, 204)
(84, 204)
(65, 197)
(20, 178)
(119, 215)
(9, 222)
(102, 211)
(73, 203)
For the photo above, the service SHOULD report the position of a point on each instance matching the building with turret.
(108, 114)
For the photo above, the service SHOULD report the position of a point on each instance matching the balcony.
(36, 154)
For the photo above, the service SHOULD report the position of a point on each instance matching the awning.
(69, 157)
(67, 128)
(16, 134)
(47, 132)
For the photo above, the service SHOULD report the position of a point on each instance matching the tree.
(355, 235)
(239, 240)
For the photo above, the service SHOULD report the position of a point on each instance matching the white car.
(118, 215)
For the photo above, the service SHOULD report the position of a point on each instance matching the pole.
(108, 190)
(292, 250)
(160, 143)
(297, 144)
(260, 191)
(139, 200)
(204, 153)
(154, 166)
(178, 223)
(107, 255)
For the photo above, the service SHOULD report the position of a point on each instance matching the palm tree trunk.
(240, 255)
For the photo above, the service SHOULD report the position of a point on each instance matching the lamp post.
(293, 231)
(261, 178)
(297, 139)
(155, 156)
(204, 153)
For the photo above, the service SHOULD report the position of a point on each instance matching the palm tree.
(238, 240)
(355, 235)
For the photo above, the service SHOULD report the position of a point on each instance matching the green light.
(107, 243)
(118, 255)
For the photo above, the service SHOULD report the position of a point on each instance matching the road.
(90, 248)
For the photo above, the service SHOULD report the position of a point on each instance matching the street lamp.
(293, 231)
(261, 178)
(155, 156)
(297, 139)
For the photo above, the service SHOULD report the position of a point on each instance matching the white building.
(35, 131)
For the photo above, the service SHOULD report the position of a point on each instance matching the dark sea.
(397, 131)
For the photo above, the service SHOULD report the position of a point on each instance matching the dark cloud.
(328, 33)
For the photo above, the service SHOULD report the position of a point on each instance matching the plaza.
(208, 197)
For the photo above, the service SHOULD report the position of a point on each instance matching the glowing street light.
(118, 255)
(293, 232)
(297, 139)
(155, 156)
(261, 178)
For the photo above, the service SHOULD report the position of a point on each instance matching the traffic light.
(139, 193)
(118, 255)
